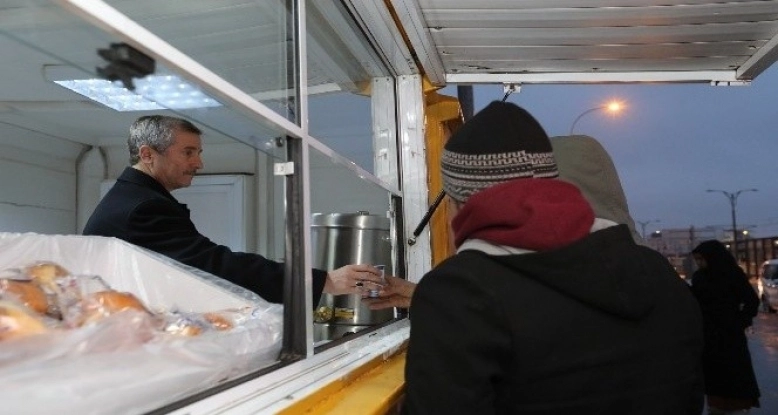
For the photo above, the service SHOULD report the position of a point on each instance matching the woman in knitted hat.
(544, 309)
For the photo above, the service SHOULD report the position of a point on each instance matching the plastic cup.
(373, 292)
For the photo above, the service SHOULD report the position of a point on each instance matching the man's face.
(177, 166)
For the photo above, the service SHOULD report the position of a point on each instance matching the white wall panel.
(37, 192)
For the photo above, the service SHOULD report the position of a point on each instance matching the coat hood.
(583, 162)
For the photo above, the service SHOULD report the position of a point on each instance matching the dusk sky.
(674, 141)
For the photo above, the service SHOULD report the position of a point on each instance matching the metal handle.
(426, 218)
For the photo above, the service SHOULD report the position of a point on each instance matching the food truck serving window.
(232, 69)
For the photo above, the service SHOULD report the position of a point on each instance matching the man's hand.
(396, 293)
(352, 279)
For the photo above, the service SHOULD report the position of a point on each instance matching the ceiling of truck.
(471, 41)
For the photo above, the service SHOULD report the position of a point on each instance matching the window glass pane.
(248, 43)
(60, 149)
(341, 69)
(350, 224)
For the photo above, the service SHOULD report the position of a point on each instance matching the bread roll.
(45, 274)
(219, 322)
(115, 301)
(102, 304)
(190, 330)
(26, 293)
(182, 325)
(16, 322)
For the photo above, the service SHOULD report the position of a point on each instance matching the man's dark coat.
(139, 210)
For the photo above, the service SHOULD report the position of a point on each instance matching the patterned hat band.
(466, 174)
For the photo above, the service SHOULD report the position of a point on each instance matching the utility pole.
(692, 238)
(643, 225)
(732, 196)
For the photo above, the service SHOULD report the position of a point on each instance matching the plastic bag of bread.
(87, 299)
(183, 324)
(193, 324)
(221, 320)
(34, 285)
(45, 273)
(101, 304)
(123, 362)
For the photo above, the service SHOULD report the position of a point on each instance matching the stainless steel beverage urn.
(349, 238)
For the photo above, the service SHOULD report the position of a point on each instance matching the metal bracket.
(730, 83)
(283, 169)
(511, 87)
(508, 88)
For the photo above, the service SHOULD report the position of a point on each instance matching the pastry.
(45, 274)
(219, 322)
(16, 322)
(102, 304)
(26, 293)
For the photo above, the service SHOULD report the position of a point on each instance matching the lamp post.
(732, 196)
(643, 225)
(613, 107)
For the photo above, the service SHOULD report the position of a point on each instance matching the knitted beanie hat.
(500, 143)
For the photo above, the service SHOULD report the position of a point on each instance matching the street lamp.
(643, 225)
(613, 107)
(732, 196)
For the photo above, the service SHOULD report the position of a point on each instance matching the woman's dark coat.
(728, 305)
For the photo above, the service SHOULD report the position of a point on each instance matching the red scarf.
(534, 214)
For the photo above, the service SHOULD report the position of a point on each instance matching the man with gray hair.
(165, 155)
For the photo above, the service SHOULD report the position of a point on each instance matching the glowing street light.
(732, 196)
(614, 107)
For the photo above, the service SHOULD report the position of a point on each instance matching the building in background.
(676, 244)
(754, 252)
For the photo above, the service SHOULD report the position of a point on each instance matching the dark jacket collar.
(135, 176)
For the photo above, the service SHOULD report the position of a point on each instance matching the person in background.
(728, 305)
(165, 155)
(544, 309)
